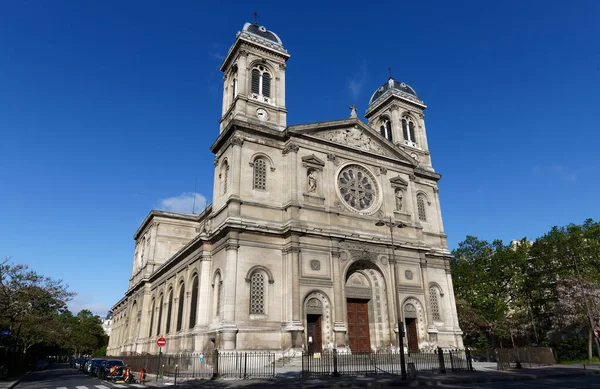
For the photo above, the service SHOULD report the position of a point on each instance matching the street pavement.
(485, 376)
(60, 376)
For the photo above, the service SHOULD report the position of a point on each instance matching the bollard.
(215, 365)
(441, 359)
(336, 373)
(176, 369)
(469, 359)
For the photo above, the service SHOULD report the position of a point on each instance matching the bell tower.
(396, 112)
(254, 79)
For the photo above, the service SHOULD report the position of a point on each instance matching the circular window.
(358, 189)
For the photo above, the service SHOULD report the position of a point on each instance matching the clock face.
(262, 114)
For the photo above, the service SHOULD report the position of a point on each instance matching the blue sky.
(108, 109)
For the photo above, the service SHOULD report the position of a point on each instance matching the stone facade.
(288, 255)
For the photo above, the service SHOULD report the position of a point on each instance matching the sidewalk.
(483, 373)
(9, 384)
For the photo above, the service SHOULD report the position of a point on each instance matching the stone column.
(396, 125)
(438, 209)
(423, 135)
(204, 286)
(339, 323)
(397, 303)
(451, 297)
(291, 153)
(280, 102)
(236, 174)
(226, 100)
(425, 280)
(229, 328)
(295, 327)
(243, 73)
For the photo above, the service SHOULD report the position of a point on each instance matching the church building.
(320, 236)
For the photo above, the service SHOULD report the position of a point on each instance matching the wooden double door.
(314, 333)
(358, 324)
(411, 334)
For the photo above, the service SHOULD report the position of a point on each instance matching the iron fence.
(526, 356)
(383, 362)
(244, 365)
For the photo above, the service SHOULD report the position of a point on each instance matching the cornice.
(244, 41)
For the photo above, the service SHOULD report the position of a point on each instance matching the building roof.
(262, 32)
(392, 84)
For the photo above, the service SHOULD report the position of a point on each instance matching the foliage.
(101, 352)
(33, 312)
(28, 303)
(529, 293)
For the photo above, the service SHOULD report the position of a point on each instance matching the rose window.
(358, 188)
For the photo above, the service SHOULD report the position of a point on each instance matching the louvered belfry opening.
(256, 81)
(266, 84)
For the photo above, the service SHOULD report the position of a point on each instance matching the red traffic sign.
(161, 342)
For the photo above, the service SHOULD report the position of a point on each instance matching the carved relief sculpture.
(312, 181)
(399, 198)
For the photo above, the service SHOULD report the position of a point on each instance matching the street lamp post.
(391, 224)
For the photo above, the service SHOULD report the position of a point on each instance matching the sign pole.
(159, 355)
(160, 342)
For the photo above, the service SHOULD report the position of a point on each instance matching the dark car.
(94, 366)
(82, 363)
(105, 366)
(41, 364)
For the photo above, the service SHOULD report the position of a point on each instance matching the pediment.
(312, 160)
(398, 181)
(353, 133)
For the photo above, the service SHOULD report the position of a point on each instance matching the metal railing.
(244, 365)
(521, 357)
(334, 363)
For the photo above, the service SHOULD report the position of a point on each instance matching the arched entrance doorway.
(413, 322)
(366, 307)
(317, 313)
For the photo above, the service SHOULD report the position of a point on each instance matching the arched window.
(260, 174)
(257, 294)
(261, 83)
(194, 302)
(234, 83)
(180, 307)
(421, 207)
(224, 176)
(433, 302)
(151, 317)
(408, 131)
(160, 311)
(169, 311)
(217, 288)
(386, 130)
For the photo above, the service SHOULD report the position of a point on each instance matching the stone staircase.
(289, 359)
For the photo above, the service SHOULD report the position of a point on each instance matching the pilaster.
(339, 322)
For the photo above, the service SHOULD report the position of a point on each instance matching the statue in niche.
(398, 200)
(312, 181)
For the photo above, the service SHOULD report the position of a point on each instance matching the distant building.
(516, 243)
(107, 323)
(288, 255)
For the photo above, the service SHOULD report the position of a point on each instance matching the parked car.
(87, 366)
(94, 365)
(82, 363)
(105, 366)
(41, 364)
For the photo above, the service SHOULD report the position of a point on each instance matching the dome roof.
(262, 32)
(404, 90)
